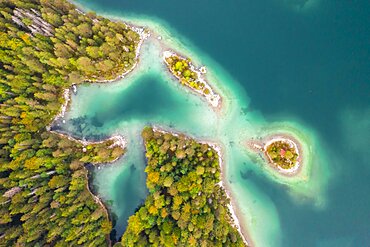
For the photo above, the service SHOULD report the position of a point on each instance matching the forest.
(186, 206)
(45, 47)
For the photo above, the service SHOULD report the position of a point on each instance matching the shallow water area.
(313, 174)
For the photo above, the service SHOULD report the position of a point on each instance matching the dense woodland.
(45, 47)
(186, 206)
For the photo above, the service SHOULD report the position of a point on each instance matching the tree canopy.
(186, 205)
(45, 47)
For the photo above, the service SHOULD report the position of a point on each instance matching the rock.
(10, 193)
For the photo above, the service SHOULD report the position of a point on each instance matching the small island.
(190, 76)
(282, 152)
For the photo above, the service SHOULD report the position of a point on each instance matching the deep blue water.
(309, 64)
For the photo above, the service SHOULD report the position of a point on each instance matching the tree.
(85, 65)
(84, 29)
(168, 181)
(93, 51)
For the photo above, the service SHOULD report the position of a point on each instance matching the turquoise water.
(295, 66)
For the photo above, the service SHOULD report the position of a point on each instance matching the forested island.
(186, 205)
(188, 75)
(282, 152)
(45, 47)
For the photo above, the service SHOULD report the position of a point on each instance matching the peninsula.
(186, 205)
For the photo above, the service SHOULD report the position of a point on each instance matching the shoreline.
(63, 109)
(118, 141)
(232, 206)
(144, 34)
(141, 31)
(234, 212)
(100, 203)
(260, 145)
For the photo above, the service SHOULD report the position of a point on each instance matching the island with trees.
(190, 76)
(282, 152)
(186, 205)
(45, 47)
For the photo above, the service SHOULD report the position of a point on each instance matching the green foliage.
(282, 154)
(184, 71)
(186, 206)
(44, 195)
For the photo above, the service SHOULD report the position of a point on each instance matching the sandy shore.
(118, 140)
(260, 146)
(63, 109)
(234, 211)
